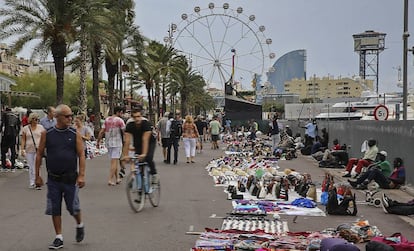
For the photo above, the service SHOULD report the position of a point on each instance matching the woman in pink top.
(190, 136)
(30, 140)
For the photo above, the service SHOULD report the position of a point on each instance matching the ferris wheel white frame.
(219, 60)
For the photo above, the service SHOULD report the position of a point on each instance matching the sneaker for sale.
(80, 233)
(56, 244)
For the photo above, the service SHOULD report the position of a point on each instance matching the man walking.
(65, 153)
(175, 135)
(163, 134)
(113, 129)
(214, 130)
(10, 127)
(49, 120)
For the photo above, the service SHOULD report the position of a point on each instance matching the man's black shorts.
(165, 142)
(214, 137)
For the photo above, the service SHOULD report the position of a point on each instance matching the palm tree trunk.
(148, 87)
(164, 101)
(95, 86)
(59, 54)
(83, 105)
(111, 70)
(184, 101)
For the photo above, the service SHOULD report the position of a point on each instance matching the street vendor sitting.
(370, 150)
(395, 180)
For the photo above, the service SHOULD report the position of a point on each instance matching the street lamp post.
(405, 51)
(169, 41)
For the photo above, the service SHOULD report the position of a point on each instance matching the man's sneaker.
(38, 188)
(154, 179)
(385, 200)
(384, 207)
(354, 184)
(80, 233)
(32, 186)
(56, 244)
(348, 175)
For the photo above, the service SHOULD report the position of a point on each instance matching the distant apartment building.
(12, 65)
(328, 87)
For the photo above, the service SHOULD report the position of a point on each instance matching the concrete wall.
(395, 137)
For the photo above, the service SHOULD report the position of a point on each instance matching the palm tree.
(187, 81)
(122, 19)
(164, 60)
(92, 20)
(49, 21)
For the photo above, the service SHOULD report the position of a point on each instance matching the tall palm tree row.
(102, 31)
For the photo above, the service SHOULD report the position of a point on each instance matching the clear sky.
(323, 27)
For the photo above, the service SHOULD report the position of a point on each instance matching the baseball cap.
(384, 153)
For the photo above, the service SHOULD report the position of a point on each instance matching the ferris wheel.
(223, 44)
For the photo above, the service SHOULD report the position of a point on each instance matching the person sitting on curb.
(369, 157)
(383, 165)
(328, 152)
(394, 207)
(395, 180)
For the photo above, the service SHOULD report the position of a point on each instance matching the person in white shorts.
(113, 128)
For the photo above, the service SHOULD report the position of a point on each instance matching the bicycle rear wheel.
(135, 192)
(155, 194)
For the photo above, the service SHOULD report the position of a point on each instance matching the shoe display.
(80, 233)
(348, 175)
(56, 244)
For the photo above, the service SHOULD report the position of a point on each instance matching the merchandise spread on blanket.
(260, 192)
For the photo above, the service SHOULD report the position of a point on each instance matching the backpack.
(11, 124)
(342, 208)
(176, 128)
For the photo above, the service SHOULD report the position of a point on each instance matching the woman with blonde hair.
(190, 136)
(83, 130)
(29, 143)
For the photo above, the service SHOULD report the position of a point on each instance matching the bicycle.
(139, 187)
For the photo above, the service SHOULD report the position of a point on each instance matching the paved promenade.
(188, 199)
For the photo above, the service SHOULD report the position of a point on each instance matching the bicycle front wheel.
(155, 194)
(135, 192)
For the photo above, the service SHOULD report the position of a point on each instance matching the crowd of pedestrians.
(59, 141)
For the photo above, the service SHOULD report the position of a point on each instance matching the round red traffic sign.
(381, 112)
